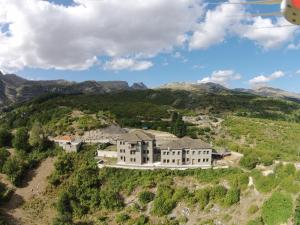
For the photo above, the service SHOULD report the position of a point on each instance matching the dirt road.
(33, 188)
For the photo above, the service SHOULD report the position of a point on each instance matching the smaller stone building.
(68, 143)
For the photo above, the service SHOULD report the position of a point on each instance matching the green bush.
(232, 197)
(253, 209)
(142, 220)
(64, 164)
(249, 161)
(4, 154)
(5, 138)
(145, 197)
(257, 221)
(111, 200)
(122, 218)
(277, 209)
(163, 203)
(218, 193)
(15, 168)
(202, 197)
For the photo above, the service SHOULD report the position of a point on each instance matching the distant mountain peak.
(139, 86)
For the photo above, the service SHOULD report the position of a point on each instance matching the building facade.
(186, 151)
(139, 147)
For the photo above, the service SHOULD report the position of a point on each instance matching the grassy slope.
(279, 139)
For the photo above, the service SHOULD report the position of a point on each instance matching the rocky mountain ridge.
(17, 89)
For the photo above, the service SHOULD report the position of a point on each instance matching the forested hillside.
(263, 129)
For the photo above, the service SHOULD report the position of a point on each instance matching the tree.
(5, 138)
(178, 126)
(20, 141)
(36, 137)
(14, 168)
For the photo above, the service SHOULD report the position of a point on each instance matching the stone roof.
(137, 135)
(186, 143)
(66, 138)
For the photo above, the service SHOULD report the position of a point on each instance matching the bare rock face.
(16, 89)
(139, 86)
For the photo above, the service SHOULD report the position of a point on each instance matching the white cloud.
(263, 80)
(232, 20)
(46, 35)
(267, 33)
(298, 72)
(127, 64)
(221, 77)
(216, 26)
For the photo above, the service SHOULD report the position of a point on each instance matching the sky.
(150, 41)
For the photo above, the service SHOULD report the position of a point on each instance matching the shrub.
(14, 168)
(202, 197)
(249, 161)
(277, 209)
(163, 203)
(64, 164)
(5, 138)
(218, 193)
(122, 218)
(4, 154)
(253, 209)
(232, 197)
(146, 197)
(111, 200)
(257, 221)
(267, 160)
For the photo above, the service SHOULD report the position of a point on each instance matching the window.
(187, 152)
(187, 159)
(193, 152)
(164, 153)
(199, 160)
(178, 153)
(168, 161)
(121, 157)
(183, 160)
(204, 160)
(164, 161)
(199, 152)
(173, 161)
(147, 151)
(168, 153)
(173, 152)
(147, 159)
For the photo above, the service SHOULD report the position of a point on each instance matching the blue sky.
(232, 53)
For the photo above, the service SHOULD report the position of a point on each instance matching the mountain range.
(213, 88)
(17, 89)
